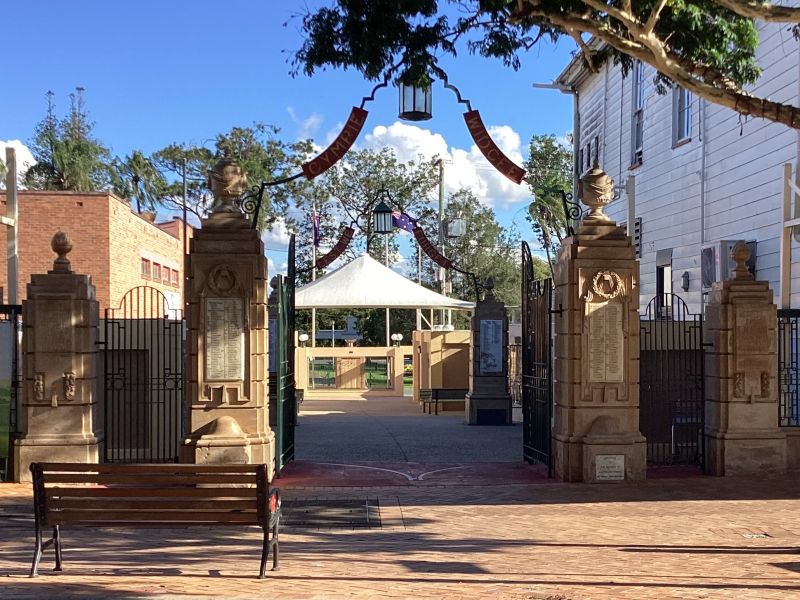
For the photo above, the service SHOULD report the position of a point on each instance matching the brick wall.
(109, 243)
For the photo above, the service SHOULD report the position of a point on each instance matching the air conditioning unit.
(716, 263)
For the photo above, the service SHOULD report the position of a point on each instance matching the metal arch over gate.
(537, 373)
(286, 411)
(143, 351)
(671, 382)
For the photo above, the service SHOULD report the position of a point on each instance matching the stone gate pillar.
(743, 436)
(488, 401)
(58, 416)
(226, 392)
(596, 420)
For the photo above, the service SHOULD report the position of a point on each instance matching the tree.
(256, 149)
(549, 173)
(67, 156)
(705, 46)
(137, 176)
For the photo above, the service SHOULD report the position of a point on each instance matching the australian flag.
(402, 221)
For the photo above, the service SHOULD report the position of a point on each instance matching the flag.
(402, 221)
(315, 225)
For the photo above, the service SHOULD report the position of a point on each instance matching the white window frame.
(637, 114)
(681, 115)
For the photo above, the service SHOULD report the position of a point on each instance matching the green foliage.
(549, 172)
(372, 325)
(405, 39)
(67, 156)
(136, 176)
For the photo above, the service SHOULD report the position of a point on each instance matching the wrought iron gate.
(143, 352)
(10, 380)
(286, 410)
(537, 374)
(789, 367)
(671, 382)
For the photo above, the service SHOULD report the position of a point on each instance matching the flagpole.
(313, 269)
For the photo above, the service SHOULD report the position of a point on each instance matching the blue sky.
(174, 71)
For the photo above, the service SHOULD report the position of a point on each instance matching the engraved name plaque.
(224, 339)
(606, 342)
(752, 323)
(609, 467)
(491, 340)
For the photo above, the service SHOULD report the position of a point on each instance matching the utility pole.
(10, 221)
(442, 270)
(386, 259)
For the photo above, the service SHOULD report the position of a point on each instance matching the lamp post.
(302, 338)
(382, 223)
(397, 338)
(415, 103)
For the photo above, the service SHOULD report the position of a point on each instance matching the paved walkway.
(688, 538)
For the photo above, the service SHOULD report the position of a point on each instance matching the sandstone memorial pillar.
(488, 401)
(58, 416)
(596, 434)
(741, 419)
(226, 391)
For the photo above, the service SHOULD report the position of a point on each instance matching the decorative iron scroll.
(430, 249)
(490, 150)
(334, 153)
(336, 251)
(572, 211)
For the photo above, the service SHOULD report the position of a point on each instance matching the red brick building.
(119, 248)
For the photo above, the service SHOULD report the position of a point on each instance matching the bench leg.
(37, 552)
(275, 552)
(57, 544)
(264, 554)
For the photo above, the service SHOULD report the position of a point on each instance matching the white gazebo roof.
(366, 283)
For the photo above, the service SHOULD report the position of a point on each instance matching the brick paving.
(695, 537)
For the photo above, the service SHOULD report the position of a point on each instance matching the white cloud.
(24, 157)
(464, 168)
(277, 238)
(306, 128)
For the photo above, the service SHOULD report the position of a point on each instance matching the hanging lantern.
(382, 217)
(415, 103)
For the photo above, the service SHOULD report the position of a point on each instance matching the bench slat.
(151, 479)
(149, 492)
(166, 503)
(146, 468)
(62, 517)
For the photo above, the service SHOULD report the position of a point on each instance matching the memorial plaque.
(606, 342)
(491, 346)
(224, 339)
(609, 467)
(56, 334)
(752, 324)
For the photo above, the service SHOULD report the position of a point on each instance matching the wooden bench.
(159, 496)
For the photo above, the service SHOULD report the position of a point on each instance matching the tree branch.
(587, 53)
(765, 11)
(650, 26)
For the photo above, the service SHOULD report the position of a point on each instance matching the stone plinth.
(488, 401)
(596, 384)
(226, 391)
(741, 420)
(58, 415)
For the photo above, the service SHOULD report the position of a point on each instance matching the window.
(145, 268)
(166, 273)
(637, 124)
(156, 272)
(681, 115)
(597, 149)
(175, 278)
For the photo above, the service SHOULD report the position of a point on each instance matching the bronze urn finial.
(227, 181)
(595, 191)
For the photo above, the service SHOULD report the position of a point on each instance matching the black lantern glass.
(415, 103)
(382, 218)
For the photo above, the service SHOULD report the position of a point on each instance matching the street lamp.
(397, 338)
(382, 215)
(456, 227)
(303, 338)
(415, 103)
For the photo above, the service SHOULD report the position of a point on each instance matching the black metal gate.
(789, 367)
(671, 382)
(286, 411)
(143, 352)
(537, 374)
(10, 385)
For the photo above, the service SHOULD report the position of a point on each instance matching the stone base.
(747, 454)
(487, 410)
(576, 459)
(31, 450)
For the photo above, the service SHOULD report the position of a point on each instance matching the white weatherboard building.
(693, 177)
